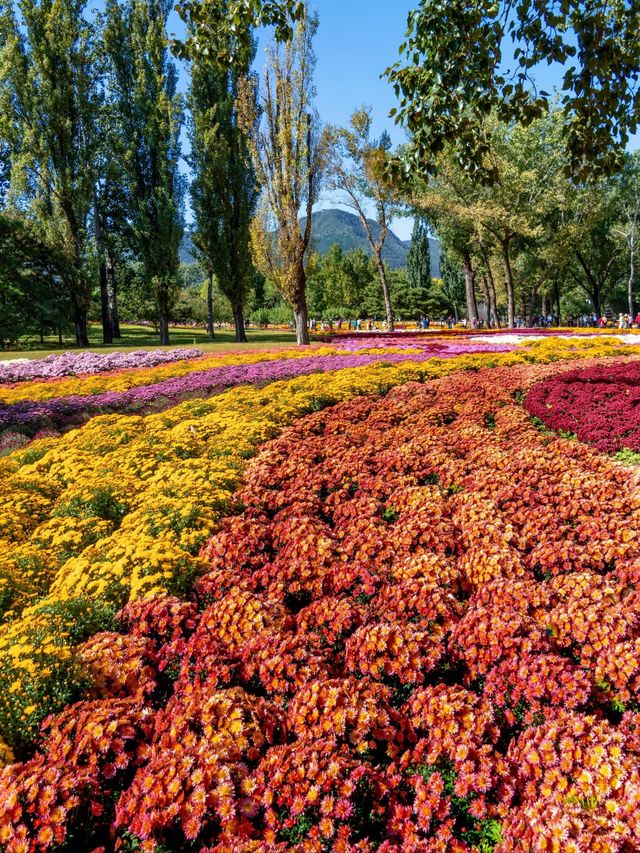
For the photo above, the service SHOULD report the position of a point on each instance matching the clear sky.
(356, 41)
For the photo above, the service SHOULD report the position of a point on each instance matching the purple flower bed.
(75, 363)
(428, 342)
(64, 412)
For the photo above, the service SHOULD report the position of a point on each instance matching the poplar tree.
(142, 83)
(453, 283)
(224, 189)
(222, 29)
(49, 106)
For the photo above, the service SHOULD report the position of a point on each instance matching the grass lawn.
(143, 337)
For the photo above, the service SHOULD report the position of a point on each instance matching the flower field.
(87, 363)
(32, 407)
(354, 599)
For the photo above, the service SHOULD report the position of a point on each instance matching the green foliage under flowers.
(300, 829)
(81, 618)
(49, 681)
(483, 834)
(102, 503)
(628, 457)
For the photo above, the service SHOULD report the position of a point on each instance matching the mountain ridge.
(335, 226)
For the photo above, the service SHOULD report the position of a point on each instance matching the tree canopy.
(222, 29)
(463, 59)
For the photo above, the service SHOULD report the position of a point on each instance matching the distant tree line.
(533, 194)
(535, 241)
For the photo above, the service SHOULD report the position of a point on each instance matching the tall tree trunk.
(112, 293)
(630, 282)
(532, 303)
(107, 326)
(163, 314)
(597, 300)
(163, 325)
(472, 307)
(238, 319)
(596, 282)
(80, 324)
(299, 304)
(210, 331)
(508, 273)
(302, 323)
(299, 301)
(492, 285)
(60, 334)
(556, 296)
(487, 298)
(382, 272)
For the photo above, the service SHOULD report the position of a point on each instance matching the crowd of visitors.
(624, 321)
(537, 321)
(358, 325)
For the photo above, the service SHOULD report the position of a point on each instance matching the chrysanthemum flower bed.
(419, 631)
(86, 363)
(600, 405)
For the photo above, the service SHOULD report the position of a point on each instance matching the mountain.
(187, 251)
(344, 228)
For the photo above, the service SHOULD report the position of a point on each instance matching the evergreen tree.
(453, 284)
(224, 190)
(419, 268)
(49, 106)
(33, 298)
(142, 83)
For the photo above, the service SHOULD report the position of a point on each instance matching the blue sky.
(356, 41)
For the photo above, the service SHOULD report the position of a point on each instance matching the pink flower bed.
(60, 413)
(85, 363)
